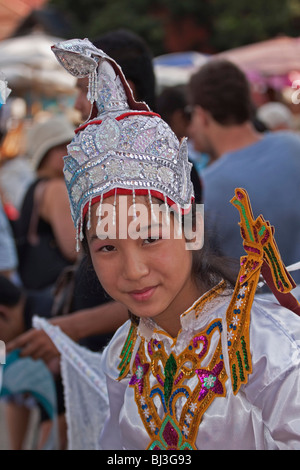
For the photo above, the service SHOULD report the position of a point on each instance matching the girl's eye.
(149, 240)
(107, 248)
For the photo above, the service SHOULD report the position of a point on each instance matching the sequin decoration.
(149, 154)
(261, 248)
(143, 139)
(138, 377)
(126, 352)
(170, 437)
(175, 375)
(110, 146)
(108, 136)
(210, 380)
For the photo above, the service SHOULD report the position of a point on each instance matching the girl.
(191, 368)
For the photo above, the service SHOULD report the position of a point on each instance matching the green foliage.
(231, 23)
(91, 18)
(240, 22)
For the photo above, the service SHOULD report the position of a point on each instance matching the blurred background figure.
(16, 172)
(134, 56)
(8, 252)
(172, 105)
(275, 116)
(44, 231)
(266, 164)
(17, 307)
(43, 240)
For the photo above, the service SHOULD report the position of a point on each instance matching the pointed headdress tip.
(82, 59)
(125, 147)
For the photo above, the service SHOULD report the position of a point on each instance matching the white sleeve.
(274, 385)
(85, 391)
(280, 405)
(110, 438)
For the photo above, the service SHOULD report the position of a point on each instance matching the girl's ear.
(194, 233)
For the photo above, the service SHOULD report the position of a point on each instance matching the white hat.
(275, 115)
(45, 135)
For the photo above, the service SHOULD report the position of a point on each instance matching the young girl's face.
(149, 274)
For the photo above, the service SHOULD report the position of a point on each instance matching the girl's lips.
(143, 294)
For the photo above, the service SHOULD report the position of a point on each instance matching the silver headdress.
(123, 147)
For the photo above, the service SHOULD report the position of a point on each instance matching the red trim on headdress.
(138, 192)
(287, 300)
(118, 118)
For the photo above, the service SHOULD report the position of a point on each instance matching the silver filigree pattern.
(126, 146)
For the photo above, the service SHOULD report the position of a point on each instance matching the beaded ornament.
(177, 377)
(124, 148)
(262, 252)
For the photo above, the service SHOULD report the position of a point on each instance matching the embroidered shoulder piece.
(172, 406)
(261, 249)
(126, 352)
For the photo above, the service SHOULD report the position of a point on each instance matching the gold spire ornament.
(262, 257)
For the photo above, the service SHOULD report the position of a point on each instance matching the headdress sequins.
(124, 147)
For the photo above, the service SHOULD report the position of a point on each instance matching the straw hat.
(45, 135)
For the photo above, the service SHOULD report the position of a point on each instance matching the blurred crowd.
(235, 140)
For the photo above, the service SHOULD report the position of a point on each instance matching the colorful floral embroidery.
(182, 398)
(210, 380)
(170, 437)
(138, 377)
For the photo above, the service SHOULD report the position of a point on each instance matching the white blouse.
(264, 414)
(178, 393)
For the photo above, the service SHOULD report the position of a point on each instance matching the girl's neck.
(171, 323)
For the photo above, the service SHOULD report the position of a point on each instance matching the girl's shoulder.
(274, 343)
(272, 322)
(116, 356)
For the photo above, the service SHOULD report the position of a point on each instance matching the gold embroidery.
(126, 352)
(259, 243)
(209, 295)
(172, 405)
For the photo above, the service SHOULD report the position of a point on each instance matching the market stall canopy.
(28, 63)
(176, 68)
(276, 57)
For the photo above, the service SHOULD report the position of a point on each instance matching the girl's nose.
(134, 266)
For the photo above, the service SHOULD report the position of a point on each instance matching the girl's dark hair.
(209, 267)
(10, 294)
(134, 56)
